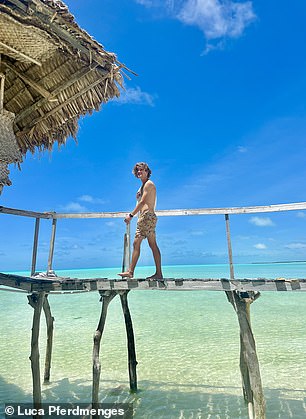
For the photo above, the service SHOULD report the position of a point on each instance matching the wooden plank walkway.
(55, 284)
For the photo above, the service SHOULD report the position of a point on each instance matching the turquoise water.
(187, 345)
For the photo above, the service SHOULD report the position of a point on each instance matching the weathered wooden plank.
(174, 212)
(234, 210)
(16, 285)
(168, 284)
(18, 279)
(199, 211)
(25, 213)
(91, 215)
(104, 285)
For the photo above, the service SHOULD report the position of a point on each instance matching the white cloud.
(78, 207)
(74, 207)
(242, 149)
(136, 96)
(166, 4)
(110, 223)
(197, 233)
(301, 214)
(147, 3)
(85, 198)
(90, 199)
(217, 19)
(260, 246)
(242, 237)
(296, 246)
(261, 221)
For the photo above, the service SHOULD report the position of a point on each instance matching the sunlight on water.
(187, 346)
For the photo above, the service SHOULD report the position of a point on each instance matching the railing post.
(126, 249)
(229, 246)
(51, 250)
(35, 243)
(128, 239)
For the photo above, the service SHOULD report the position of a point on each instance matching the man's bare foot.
(126, 274)
(154, 277)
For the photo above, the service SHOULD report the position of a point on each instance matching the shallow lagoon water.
(187, 345)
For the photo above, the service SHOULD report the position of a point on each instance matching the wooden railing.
(54, 216)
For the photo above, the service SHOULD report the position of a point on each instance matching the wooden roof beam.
(41, 102)
(20, 54)
(19, 5)
(41, 81)
(41, 90)
(57, 108)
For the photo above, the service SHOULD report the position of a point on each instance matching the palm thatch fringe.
(54, 72)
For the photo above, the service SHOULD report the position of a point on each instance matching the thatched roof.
(53, 72)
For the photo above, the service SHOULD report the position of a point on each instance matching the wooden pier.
(241, 293)
(69, 285)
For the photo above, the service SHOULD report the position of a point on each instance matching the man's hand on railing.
(128, 218)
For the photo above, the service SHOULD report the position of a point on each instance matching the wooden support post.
(50, 327)
(52, 240)
(132, 362)
(246, 386)
(106, 298)
(36, 301)
(35, 244)
(249, 365)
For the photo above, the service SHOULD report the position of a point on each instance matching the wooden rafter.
(41, 102)
(20, 54)
(59, 107)
(41, 90)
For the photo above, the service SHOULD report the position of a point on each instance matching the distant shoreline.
(114, 270)
(284, 261)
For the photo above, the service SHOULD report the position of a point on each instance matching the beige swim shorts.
(146, 224)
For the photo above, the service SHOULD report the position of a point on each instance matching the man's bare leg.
(135, 257)
(157, 257)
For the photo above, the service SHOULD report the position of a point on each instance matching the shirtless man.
(146, 197)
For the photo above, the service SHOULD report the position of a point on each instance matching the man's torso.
(150, 202)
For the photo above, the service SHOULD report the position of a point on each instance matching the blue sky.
(217, 110)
